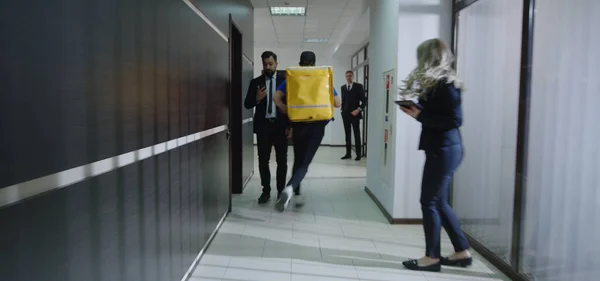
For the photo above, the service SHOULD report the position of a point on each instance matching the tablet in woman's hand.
(406, 103)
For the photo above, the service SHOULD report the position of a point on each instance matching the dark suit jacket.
(353, 99)
(261, 124)
(441, 116)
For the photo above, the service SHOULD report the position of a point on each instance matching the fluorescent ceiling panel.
(288, 11)
(316, 40)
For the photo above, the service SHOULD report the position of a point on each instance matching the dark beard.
(268, 73)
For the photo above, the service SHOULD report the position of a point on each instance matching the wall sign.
(388, 79)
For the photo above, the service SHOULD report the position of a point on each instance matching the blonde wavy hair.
(434, 64)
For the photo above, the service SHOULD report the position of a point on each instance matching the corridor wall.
(488, 61)
(114, 162)
(418, 20)
(394, 171)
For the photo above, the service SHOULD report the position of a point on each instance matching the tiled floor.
(339, 234)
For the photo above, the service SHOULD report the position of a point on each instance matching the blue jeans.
(307, 138)
(440, 165)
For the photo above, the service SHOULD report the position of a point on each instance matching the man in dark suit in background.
(353, 105)
(270, 125)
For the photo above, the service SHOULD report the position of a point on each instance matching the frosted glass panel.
(488, 60)
(361, 56)
(360, 78)
(562, 215)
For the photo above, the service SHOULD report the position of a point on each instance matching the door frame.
(236, 179)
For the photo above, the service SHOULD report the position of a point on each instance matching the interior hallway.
(339, 234)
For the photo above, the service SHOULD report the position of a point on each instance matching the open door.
(235, 109)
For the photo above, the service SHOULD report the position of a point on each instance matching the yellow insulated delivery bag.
(309, 93)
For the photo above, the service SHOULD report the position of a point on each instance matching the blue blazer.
(441, 116)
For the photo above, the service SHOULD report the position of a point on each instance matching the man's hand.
(355, 112)
(278, 99)
(288, 133)
(283, 110)
(261, 93)
(412, 111)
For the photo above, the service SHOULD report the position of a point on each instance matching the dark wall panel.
(133, 223)
(83, 81)
(113, 77)
(242, 12)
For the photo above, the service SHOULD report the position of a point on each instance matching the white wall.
(418, 21)
(291, 56)
(334, 134)
(397, 28)
(383, 46)
(335, 131)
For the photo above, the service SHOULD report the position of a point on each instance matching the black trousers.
(264, 142)
(440, 165)
(352, 123)
(307, 138)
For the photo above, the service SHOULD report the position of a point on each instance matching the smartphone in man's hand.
(261, 92)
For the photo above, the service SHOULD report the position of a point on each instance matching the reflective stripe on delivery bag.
(309, 93)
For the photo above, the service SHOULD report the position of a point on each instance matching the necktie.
(270, 100)
(349, 87)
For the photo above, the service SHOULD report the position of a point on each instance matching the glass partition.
(359, 78)
(562, 213)
(361, 56)
(488, 60)
(360, 68)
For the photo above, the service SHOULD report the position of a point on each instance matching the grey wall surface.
(83, 81)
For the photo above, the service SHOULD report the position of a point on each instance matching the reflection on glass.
(489, 44)
(562, 213)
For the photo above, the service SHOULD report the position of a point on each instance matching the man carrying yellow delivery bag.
(308, 97)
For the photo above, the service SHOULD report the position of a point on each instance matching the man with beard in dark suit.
(270, 125)
(353, 105)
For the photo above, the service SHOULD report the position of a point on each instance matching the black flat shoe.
(414, 265)
(457, 263)
(264, 198)
(346, 157)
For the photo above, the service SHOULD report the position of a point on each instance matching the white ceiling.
(329, 19)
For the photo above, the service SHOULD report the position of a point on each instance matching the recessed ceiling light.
(288, 11)
(316, 40)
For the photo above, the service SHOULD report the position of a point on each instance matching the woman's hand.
(412, 111)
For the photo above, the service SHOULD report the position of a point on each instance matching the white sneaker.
(284, 200)
(299, 200)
